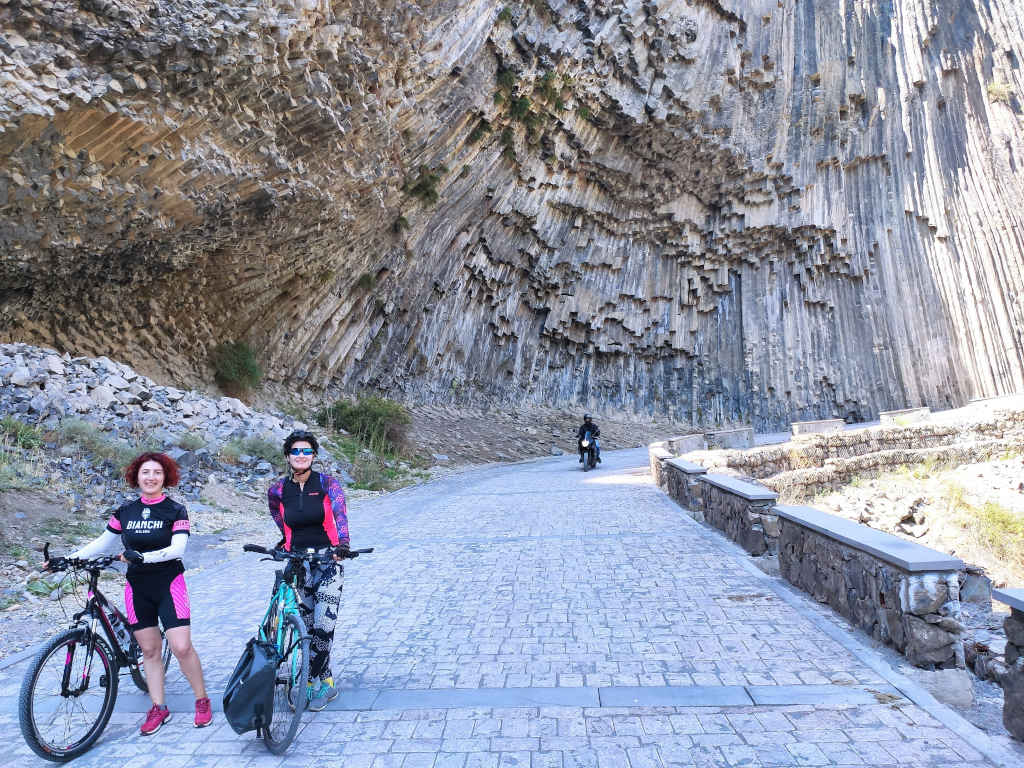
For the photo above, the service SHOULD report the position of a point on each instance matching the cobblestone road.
(533, 615)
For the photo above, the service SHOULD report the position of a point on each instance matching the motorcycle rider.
(588, 426)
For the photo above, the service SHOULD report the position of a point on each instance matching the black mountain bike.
(69, 690)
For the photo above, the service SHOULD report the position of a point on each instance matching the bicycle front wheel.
(68, 695)
(289, 685)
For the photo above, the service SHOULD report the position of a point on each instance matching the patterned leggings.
(319, 610)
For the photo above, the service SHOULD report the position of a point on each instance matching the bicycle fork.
(69, 662)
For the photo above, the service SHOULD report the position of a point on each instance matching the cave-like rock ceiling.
(720, 210)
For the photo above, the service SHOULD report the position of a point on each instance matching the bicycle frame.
(99, 609)
(285, 601)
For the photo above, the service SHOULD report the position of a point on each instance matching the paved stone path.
(533, 615)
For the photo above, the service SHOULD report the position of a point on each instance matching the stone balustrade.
(685, 443)
(682, 483)
(739, 439)
(817, 427)
(904, 416)
(741, 510)
(1013, 680)
(898, 591)
(658, 454)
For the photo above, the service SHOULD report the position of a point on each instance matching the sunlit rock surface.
(734, 211)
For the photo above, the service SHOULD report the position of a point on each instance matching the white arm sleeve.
(104, 543)
(173, 552)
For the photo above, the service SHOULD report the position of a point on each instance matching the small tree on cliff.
(235, 368)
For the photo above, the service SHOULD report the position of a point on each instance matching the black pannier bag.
(249, 694)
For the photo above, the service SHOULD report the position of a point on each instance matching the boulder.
(102, 396)
(115, 383)
(183, 458)
(1013, 698)
(21, 376)
(54, 365)
(928, 644)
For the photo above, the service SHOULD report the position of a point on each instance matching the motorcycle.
(589, 445)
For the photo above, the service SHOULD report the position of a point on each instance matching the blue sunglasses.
(301, 451)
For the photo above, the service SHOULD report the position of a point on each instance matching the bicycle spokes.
(65, 706)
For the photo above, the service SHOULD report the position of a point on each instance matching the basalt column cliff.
(723, 210)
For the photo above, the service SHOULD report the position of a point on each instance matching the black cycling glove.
(133, 557)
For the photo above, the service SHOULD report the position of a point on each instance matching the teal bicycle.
(282, 626)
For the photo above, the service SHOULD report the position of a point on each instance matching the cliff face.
(719, 210)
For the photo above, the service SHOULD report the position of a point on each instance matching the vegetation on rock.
(235, 368)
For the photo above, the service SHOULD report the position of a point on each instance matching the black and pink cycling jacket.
(313, 516)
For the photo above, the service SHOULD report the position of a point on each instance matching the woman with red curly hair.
(154, 529)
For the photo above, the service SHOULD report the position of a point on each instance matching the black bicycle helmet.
(297, 436)
(587, 417)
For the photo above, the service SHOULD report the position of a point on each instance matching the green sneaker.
(325, 694)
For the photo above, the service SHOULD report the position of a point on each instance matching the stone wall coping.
(1011, 597)
(686, 466)
(749, 491)
(905, 411)
(660, 453)
(908, 555)
(731, 431)
(817, 421)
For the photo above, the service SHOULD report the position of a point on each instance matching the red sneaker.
(203, 713)
(156, 717)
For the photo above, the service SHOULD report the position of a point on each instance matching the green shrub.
(520, 108)
(377, 422)
(1002, 530)
(234, 367)
(257, 447)
(482, 129)
(366, 281)
(93, 441)
(999, 91)
(191, 442)
(425, 185)
(506, 78)
(399, 224)
(505, 15)
(547, 86)
(20, 434)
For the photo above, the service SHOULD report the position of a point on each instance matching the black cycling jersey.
(146, 526)
(305, 511)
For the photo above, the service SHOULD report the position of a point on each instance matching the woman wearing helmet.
(309, 509)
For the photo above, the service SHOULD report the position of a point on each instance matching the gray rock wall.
(916, 613)
(707, 209)
(751, 524)
(1013, 680)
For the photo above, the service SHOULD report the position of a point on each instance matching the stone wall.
(751, 523)
(705, 209)
(803, 484)
(1012, 679)
(881, 447)
(684, 487)
(916, 613)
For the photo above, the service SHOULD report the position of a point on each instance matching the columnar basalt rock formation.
(724, 210)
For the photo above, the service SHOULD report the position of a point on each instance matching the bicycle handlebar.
(58, 564)
(280, 554)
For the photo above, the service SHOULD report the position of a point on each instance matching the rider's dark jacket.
(592, 426)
